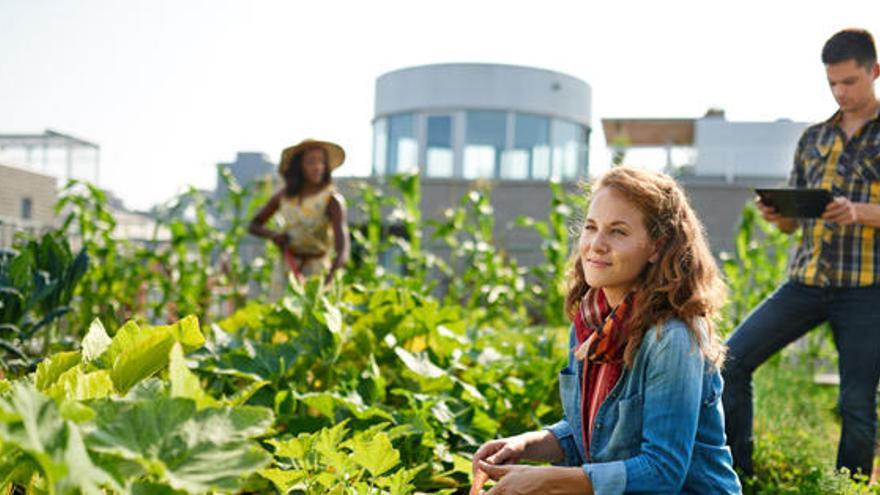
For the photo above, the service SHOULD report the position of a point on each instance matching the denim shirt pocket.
(625, 439)
(568, 392)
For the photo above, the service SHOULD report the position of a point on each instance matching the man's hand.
(842, 211)
(769, 213)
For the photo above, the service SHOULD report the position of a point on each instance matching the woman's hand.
(522, 479)
(503, 451)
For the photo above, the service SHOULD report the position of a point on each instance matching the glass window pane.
(569, 150)
(380, 146)
(438, 156)
(531, 136)
(479, 162)
(515, 164)
(541, 162)
(440, 131)
(403, 150)
(484, 142)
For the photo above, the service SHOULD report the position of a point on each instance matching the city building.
(509, 127)
(27, 201)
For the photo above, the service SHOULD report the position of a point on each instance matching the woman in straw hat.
(310, 209)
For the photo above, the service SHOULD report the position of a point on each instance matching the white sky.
(169, 88)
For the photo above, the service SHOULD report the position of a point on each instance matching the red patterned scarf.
(601, 337)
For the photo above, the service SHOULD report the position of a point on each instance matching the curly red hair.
(683, 283)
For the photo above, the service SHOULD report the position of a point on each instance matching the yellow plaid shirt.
(829, 254)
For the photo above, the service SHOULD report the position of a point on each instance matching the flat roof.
(648, 132)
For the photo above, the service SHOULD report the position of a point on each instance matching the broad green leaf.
(293, 448)
(331, 316)
(142, 352)
(401, 482)
(95, 342)
(328, 444)
(285, 481)
(376, 455)
(75, 384)
(184, 383)
(258, 361)
(187, 449)
(50, 369)
(245, 394)
(125, 338)
(247, 317)
(54, 445)
(327, 403)
(76, 411)
(419, 363)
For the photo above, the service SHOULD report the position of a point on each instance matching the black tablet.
(796, 203)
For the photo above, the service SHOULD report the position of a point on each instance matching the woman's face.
(313, 165)
(615, 246)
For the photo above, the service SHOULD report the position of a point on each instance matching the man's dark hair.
(856, 44)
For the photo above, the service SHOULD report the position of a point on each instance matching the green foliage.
(384, 383)
(36, 287)
(558, 233)
(758, 265)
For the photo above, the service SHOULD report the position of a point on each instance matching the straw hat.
(335, 153)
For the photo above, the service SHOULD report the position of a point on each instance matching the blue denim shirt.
(661, 428)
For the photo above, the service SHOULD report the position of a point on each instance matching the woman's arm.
(257, 225)
(338, 218)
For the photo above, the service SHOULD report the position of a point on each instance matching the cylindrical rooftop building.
(481, 121)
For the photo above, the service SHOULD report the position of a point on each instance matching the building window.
(569, 149)
(26, 208)
(403, 149)
(439, 158)
(484, 141)
(530, 156)
(380, 147)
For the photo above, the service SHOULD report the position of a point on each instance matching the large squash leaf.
(32, 430)
(135, 353)
(176, 444)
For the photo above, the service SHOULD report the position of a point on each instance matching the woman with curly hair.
(641, 392)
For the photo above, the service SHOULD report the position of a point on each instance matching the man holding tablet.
(834, 273)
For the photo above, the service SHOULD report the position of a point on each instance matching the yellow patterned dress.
(305, 221)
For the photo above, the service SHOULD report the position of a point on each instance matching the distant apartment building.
(248, 167)
(27, 201)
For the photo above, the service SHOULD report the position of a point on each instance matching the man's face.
(852, 84)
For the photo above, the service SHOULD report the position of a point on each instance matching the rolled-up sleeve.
(564, 435)
(607, 477)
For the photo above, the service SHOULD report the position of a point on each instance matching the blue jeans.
(793, 310)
